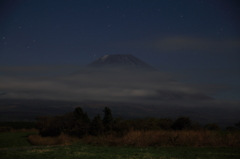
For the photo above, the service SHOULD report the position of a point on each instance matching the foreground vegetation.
(168, 138)
(148, 132)
(136, 132)
(81, 150)
(78, 124)
(74, 135)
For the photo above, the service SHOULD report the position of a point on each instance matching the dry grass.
(169, 138)
(59, 140)
(149, 138)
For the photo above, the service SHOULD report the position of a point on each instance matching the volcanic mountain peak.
(104, 57)
(120, 60)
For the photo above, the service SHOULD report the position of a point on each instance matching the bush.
(212, 126)
(237, 124)
(231, 128)
(48, 126)
(165, 123)
(5, 129)
(182, 123)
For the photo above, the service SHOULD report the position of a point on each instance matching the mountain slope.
(123, 77)
(120, 60)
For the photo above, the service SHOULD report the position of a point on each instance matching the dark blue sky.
(197, 40)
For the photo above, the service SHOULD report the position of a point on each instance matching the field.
(14, 139)
(15, 145)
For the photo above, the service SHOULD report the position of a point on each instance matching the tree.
(121, 127)
(96, 127)
(196, 126)
(237, 124)
(48, 126)
(231, 128)
(165, 123)
(182, 123)
(77, 123)
(107, 119)
(81, 122)
(80, 115)
(212, 126)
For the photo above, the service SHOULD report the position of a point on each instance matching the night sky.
(195, 41)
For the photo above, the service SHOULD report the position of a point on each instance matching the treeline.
(16, 125)
(78, 124)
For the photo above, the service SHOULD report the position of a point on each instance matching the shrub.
(182, 123)
(165, 123)
(48, 126)
(231, 128)
(237, 124)
(212, 126)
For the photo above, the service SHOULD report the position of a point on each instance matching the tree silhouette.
(182, 123)
(82, 122)
(96, 127)
(107, 119)
(77, 123)
(48, 126)
(237, 124)
(80, 115)
(165, 123)
(212, 126)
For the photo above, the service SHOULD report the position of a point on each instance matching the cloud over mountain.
(127, 61)
(107, 84)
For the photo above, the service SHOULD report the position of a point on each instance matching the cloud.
(185, 43)
(41, 70)
(181, 43)
(105, 85)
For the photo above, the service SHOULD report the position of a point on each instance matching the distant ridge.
(120, 60)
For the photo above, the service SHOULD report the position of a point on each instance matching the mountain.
(133, 80)
(121, 61)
